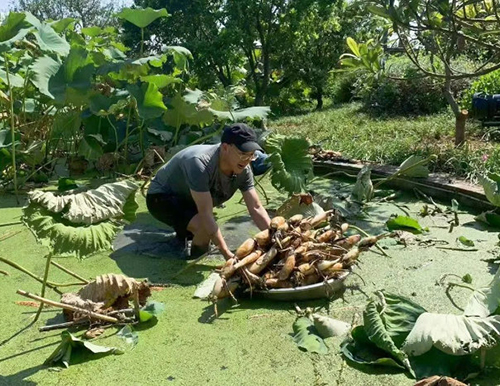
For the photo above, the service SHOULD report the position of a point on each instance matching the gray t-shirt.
(197, 168)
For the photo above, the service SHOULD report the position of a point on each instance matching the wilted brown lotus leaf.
(439, 381)
(105, 292)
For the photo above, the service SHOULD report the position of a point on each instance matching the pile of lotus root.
(292, 253)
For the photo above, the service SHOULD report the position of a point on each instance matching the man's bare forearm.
(260, 217)
(215, 234)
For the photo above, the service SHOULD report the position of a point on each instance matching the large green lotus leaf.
(259, 112)
(485, 301)
(149, 100)
(452, 334)
(73, 79)
(183, 112)
(181, 56)
(306, 337)
(291, 163)
(388, 319)
(161, 81)
(90, 207)
(61, 25)
(14, 27)
(154, 61)
(192, 96)
(70, 345)
(15, 79)
(420, 171)
(91, 147)
(142, 17)
(491, 186)
(48, 39)
(43, 69)
(361, 350)
(65, 238)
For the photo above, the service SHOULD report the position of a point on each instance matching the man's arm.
(257, 211)
(204, 204)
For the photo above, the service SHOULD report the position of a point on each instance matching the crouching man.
(185, 190)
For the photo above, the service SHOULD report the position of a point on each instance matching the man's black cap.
(242, 136)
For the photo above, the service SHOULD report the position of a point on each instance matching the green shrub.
(341, 87)
(488, 84)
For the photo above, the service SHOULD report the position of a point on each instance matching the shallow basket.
(314, 291)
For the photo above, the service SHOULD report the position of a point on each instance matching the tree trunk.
(460, 120)
(319, 99)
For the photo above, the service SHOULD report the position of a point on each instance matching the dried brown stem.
(90, 314)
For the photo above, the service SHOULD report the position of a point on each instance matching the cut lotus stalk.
(370, 241)
(344, 227)
(304, 247)
(263, 238)
(287, 267)
(248, 259)
(313, 255)
(277, 221)
(285, 243)
(246, 248)
(263, 261)
(334, 268)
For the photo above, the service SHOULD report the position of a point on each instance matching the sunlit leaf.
(183, 112)
(306, 337)
(142, 17)
(465, 241)
(404, 223)
(149, 100)
(420, 171)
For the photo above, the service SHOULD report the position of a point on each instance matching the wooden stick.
(69, 272)
(24, 270)
(9, 235)
(64, 325)
(90, 314)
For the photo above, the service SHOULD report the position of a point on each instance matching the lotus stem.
(44, 284)
(12, 125)
(4, 272)
(73, 323)
(90, 314)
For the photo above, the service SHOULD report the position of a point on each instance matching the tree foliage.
(89, 12)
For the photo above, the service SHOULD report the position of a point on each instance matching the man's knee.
(195, 226)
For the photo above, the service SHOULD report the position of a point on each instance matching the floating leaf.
(70, 344)
(404, 223)
(88, 207)
(489, 218)
(128, 334)
(452, 334)
(485, 301)
(306, 338)
(465, 241)
(329, 327)
(491, 186)
(420, 171)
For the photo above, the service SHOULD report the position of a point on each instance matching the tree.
(433, 33)
(89, 12)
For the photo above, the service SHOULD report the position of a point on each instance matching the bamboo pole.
(90, 314)
(85, 281)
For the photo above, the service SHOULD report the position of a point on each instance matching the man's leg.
(201, 239)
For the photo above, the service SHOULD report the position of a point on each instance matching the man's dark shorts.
(173, 211)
